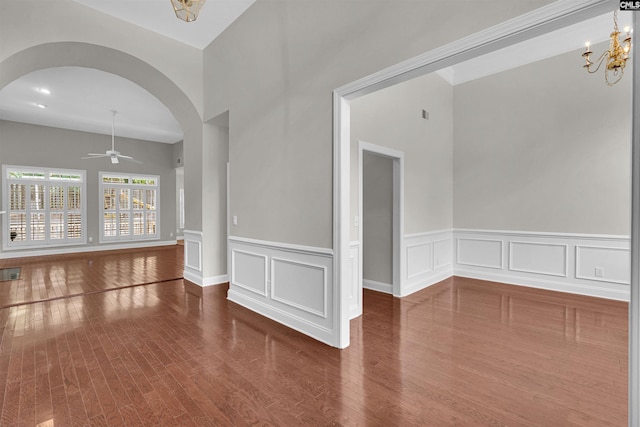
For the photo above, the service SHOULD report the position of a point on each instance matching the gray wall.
(543, 147)
(377, 218)
(275, 69)
(30, 145)
(393, 118)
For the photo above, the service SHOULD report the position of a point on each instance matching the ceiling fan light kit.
(114, 155)
(187, 10)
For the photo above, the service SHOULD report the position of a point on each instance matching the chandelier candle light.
(187, 10)
(616, 57)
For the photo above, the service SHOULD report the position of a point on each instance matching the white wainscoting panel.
(603, 264)
(249, 271)
(290, 284)
(479, 252)
(428, 260)
(595, 265)
(541, 258)
(419, 259)
(355, 293)
(193, 257)
(300, 285)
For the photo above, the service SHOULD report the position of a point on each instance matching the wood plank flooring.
(462, 352)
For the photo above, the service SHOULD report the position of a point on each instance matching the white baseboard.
(206, 281)
(550, 285)
(372, 285)
(281, 316)
(83, 249)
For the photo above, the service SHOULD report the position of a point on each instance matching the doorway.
(380, 194)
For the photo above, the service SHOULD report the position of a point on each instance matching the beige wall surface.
(274, 70)
(543, 147)
(392, 118)
(22, 145)
(377, 218)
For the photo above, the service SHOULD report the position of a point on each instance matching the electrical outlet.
(356, 221)
(170, 234)
(235, 220)
(90, 239)
(599, 272)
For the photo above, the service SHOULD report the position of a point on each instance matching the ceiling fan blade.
(94, 156)
(129, 159)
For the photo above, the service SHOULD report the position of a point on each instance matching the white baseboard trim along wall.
(290, 284)
(193, 261)
(595, 265)
(293, 284)
(83, 249)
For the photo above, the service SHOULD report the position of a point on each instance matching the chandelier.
(615, 58)
(187, 10)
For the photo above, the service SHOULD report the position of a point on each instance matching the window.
(129, 207)
(45, 207)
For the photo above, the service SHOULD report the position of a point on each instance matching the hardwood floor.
(462, 352)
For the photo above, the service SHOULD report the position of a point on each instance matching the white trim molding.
(290, 284)
(372, 285)
(355, 286)
(582, 264)
(193, 257)
(428, 260)
(82, 249)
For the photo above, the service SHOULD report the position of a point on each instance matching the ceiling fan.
(114, 155)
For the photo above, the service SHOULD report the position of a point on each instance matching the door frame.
(398, 250)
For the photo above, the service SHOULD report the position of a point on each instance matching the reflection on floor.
(49, 277)
(462, 352)
(12, 273)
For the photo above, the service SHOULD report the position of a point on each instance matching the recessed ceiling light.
(43, 90)
(41, 105)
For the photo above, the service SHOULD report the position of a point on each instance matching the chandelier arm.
(598, 61)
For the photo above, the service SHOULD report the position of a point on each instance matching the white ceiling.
(158, 16)
(564, 40)
(82, 99)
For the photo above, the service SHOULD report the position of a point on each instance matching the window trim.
(7, 244)
(131, 186)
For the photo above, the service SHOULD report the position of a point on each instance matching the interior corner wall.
(31, 145)
(215, 154)
(392, 118)
(275, 69)
(543, 148)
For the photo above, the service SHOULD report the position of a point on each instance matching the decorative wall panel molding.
(193, 257)
(595, 265)
(300, 285)
(479, 252)
(428, 260)
(603, 264)
(290, 284)
(249, 271)
(540, 258)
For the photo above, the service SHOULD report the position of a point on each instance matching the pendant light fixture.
(187, 10)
